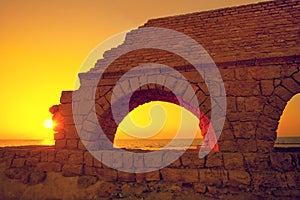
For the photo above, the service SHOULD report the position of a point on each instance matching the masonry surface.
(257, 51)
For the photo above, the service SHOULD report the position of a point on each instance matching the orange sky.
(152, 121)
(289, 121)
(43, 43)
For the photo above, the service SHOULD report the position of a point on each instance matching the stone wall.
(256, 49)
(275, 173)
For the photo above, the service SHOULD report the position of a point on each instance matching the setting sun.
(48, 123)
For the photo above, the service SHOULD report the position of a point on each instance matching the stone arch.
(284, 90)
(155, 92)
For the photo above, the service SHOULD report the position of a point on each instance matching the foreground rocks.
(49, 173)
(56, 186)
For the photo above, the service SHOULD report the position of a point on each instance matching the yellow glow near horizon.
(158, 120)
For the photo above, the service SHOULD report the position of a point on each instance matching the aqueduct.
(257, 51)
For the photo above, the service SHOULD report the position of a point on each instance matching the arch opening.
(154, 124)
(288, 132)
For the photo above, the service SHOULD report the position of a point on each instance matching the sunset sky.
(43, 44)
(155, 123)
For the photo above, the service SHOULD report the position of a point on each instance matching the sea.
(150, 144)
(155, 144)
(287, 142)
(26, 142)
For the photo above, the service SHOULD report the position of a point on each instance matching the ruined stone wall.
(256, 49)
(222, 173)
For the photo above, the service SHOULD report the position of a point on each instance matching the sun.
(48, 123)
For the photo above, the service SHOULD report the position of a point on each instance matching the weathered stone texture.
(184, 175)
(261, 73)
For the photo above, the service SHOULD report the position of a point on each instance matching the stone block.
(291, 85)
(71, 132)
(242, 88)
(88, 159)
(66, 97)
(53, 109)
(244, 130)
(231, 104)
(72, 170)
(149, 176)
(272, 112)
(200, 188)
(101, 91)
(37, 177)
(59, 144)
(90, 126)
(76, 157)
(283, 93)
(293, 179)
(268, 179)
(90, 171)
(18, 162)
(138, 161)
(35, 153)
(264, 146)
(282, 161)
(65, 109)
(193, 76)
(44, 155)
(276, 101)
(117, 160)
(69, 120)
(126, 177)
(183, 175)
(228, 146)
(97, 163)
(226, 134)
(48, 167)
(233, 161)
(267, 87)
(172, 158)
(32, 162)
(228, 74)
(296, 77)
(86, 181)
(107, 190)
(22, 153)
(257, 161)
(240, 103)
(51, 153)
(214, 160)
(191, 159)
(265, 72)
(127, 161)
(59, 136)
(247, 145)
(242, 73)
(267, 123)
(16, 173)
(254, 104)
(107, 174)
(213, 176)
(286, 193)
(265, 134)
(62, 156)
(72, 144)
(238, 177)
